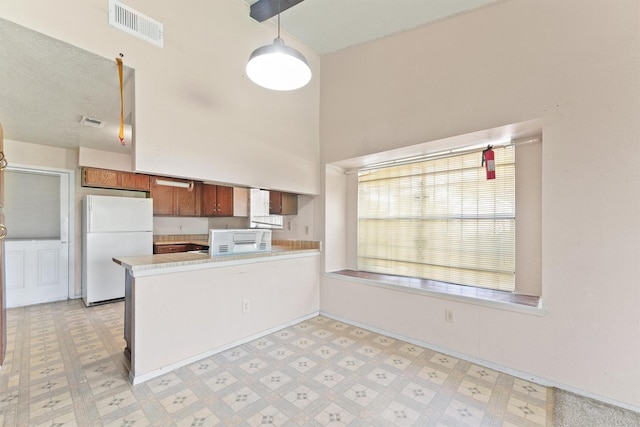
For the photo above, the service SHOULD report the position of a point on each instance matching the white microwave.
(241, 241)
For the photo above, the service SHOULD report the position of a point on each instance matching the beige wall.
(40, 156)
(573, 64)
(208, 315)
(196, 113)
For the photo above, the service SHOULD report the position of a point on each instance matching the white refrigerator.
(112, 227)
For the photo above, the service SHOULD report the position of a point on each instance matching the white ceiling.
(331, 25)
(46, 86)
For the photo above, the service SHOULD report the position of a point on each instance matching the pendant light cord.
(278, 18)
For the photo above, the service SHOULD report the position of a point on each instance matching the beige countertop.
(168, 263)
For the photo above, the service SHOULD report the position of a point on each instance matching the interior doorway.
(39, 244)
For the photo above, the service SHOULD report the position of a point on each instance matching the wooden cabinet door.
(105, 178)
(134, 181)
(275, 202)
(289, 204)
(188, 200)
(164, 199)
(101, 178)
(283, 203)
(217, 200)
(170, 249)
(209, 200)
(224, 201)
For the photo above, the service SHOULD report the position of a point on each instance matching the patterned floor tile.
(201, 418)
(400, 415)
(381, 376)
(137, 418)
(433, 375)
(334, 415)
(241, 398)
(50, 404)
(320, 372)
(280, 353)
(178, 401)
(475, 391)
(269, 416)
(527, 411)
(351, 363)
(301, 396)
(221, 381)
(465, 414)
(275, 380)
(418, 393)
(398, 362)
(203, 367)
(116, 402)
(329, 378)
(361, 394)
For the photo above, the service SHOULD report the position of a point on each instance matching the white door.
(37, 244)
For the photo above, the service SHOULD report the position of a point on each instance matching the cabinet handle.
(3, 231)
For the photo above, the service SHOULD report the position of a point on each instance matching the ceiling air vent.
(133, 22)
(90, 121)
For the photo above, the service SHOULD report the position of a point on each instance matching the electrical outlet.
(246, 305)
(288, 225)
(306, 229)
(448, 316)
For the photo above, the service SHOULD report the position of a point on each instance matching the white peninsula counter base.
(180, 308)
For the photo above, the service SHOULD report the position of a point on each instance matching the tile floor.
(65, 367)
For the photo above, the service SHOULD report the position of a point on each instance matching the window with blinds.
(32, 205)
(440, 219)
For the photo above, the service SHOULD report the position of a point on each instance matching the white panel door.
(36, 271)
(36, 256)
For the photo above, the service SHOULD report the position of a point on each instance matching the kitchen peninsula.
(182, 307)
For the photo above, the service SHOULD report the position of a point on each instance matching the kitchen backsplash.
(163, 225)
(180, 225)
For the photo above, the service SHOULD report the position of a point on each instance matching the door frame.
(71, 214)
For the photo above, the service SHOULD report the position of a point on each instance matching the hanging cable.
(121, 133)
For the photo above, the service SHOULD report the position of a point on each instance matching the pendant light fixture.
(277, 66)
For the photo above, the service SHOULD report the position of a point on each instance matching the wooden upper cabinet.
(209, 200)
(164, 199)
(225, 201)
(104, 178)
(101, 178)
(217, 200)
(175, 201)
(188, 200)
(134, 181)
(283, 203)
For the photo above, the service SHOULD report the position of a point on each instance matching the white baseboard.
(137, 379)
(500, 368)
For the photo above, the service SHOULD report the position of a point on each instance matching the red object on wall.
(488, 160)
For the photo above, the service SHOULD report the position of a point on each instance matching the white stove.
(241, 241)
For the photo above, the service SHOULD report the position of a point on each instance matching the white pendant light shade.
(278, 67)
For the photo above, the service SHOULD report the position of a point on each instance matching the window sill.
(486, 297)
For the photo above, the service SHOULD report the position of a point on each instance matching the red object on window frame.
(488, 160)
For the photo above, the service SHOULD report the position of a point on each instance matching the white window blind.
(440, 219)
(32, 205)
